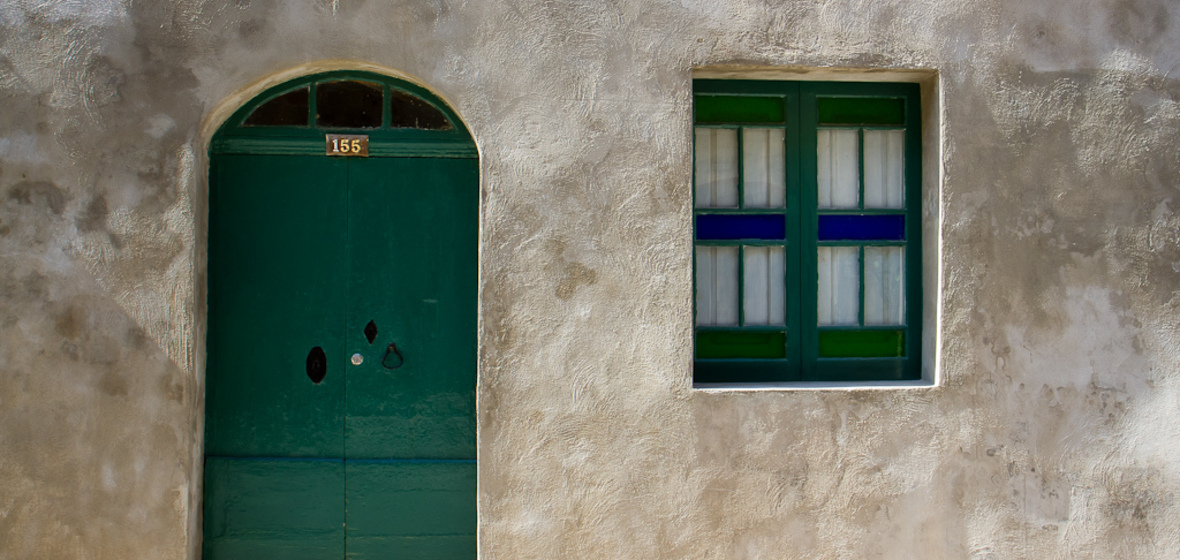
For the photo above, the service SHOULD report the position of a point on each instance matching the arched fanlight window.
(348, 104)
(397, 117)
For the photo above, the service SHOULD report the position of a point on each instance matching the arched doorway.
(340, 380)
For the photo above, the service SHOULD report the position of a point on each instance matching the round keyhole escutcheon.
(357, 359)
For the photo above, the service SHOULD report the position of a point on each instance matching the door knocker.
(392, 350)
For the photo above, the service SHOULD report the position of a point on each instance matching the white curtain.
(839, 285)
(764, 290)
(716, 168)
(884, 169)
(717, 286)
(884, 285)
(764, 167)
(839, 169)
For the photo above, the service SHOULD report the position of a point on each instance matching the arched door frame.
(222, 133)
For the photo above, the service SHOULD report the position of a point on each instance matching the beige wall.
(1053, 431)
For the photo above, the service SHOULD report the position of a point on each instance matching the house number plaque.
(347, 144)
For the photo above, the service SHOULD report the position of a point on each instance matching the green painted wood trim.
(314, 146)
(845, 370)
(744, 371)
(796, 283)
(914, 200)
(808, 232)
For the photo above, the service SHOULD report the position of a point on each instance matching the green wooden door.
(369, 260)
(409, 432)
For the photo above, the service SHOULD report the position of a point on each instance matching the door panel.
(276, 291)
(282, 509)
(411, 510)
(412, 251)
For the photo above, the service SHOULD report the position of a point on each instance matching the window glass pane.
(717, 286)
(288, 109)
(719, 109)
(861, 344)
(861, 110)
(839, 169)
(839, 285)
(764, 167)
(716, 168)
(764, 290)
(348, 104)
(408, 111)
(884, 286)
(884, 168)
(870, 227)
(749, 226)
(720, 345)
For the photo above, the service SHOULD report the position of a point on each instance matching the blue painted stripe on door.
(875, 227)
(751, 226)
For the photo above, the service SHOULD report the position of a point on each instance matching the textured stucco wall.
(1052, 433)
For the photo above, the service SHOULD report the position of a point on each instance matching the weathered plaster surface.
(1052, 434)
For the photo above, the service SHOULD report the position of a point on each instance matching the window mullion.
(741, 189)
(312, 106)
(860, 185)
(860, 311)
(912, 264)
(741, 287)
(805, 131)
(860, 168)
(386, 107)
(741, 168)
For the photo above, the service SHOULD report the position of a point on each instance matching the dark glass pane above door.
(288, 109)
(348, 104)
(411, 112)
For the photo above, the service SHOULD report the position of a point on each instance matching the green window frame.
(807, 222)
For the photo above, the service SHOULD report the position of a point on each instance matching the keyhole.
(317, 365)
(371, 331)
